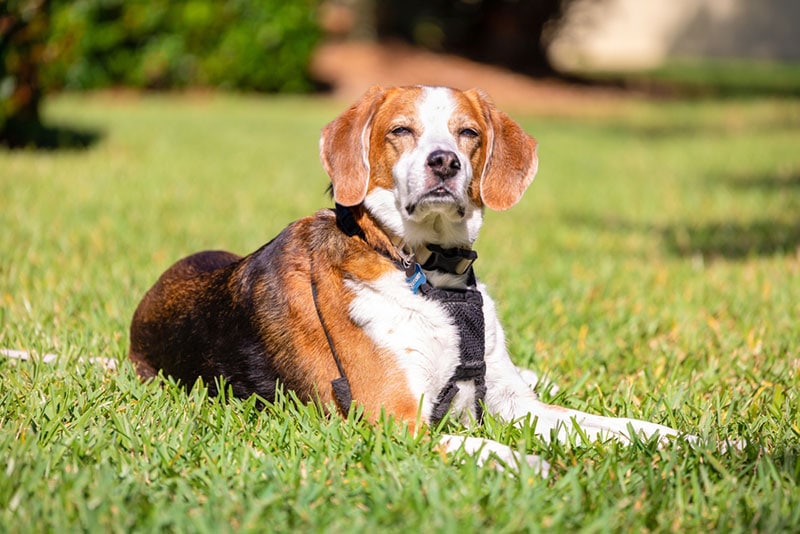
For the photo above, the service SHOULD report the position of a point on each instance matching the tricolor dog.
(375, 302)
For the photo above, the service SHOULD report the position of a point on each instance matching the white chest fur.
(419, 333)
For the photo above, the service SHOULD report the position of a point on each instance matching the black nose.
(444, 163)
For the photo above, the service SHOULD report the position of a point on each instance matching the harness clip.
(415, 278)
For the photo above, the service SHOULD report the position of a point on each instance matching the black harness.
(464, 306)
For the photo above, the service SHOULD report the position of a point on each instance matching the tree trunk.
(23, 35)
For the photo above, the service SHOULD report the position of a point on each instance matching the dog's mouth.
(439, 196)
(438, 193)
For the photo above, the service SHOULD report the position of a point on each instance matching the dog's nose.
(444, 163)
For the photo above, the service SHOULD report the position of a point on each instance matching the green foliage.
(261, 45)
(651, 270)
(23, 32)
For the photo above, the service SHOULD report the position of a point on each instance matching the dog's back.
(250, 320)
(181, 323)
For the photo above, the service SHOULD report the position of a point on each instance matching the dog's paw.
(534, 382)
(494, 454)
(724, 447)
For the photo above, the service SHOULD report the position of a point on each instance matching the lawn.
(652, 270)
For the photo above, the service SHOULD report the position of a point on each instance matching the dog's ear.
(344, 149)
(511, 161)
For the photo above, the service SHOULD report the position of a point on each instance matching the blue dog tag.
(416, 279)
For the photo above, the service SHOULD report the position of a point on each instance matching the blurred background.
(523, 52)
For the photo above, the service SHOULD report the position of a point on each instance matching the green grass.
(652, 270)
(713, 78)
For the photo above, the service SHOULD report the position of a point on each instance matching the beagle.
(374, 302)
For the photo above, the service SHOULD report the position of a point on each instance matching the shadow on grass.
(688, 127)
(708, 78)
(50, 138)
(765, 182)
(716, 240)
(691, 130)
(733, 240)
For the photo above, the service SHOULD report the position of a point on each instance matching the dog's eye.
(401, 130)
(468, 132)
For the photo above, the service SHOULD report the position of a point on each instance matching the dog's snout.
(444, 163)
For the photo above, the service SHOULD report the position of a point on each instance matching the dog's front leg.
(510, 397)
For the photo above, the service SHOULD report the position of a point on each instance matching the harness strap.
(341, 386)
(447, 260)
(465, 307)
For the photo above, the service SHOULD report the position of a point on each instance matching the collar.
(430, 257)
(448, 260)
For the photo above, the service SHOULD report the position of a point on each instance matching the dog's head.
(425, 160)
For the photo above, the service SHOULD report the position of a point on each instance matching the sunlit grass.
(652, 270)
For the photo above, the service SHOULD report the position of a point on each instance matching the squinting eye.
(401, 130)
(468, 132)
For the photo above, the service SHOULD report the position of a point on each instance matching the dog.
(374, 302)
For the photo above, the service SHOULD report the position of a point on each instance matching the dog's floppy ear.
(511, 161)
(344, 149)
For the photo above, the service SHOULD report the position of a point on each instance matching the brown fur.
(264, 301)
